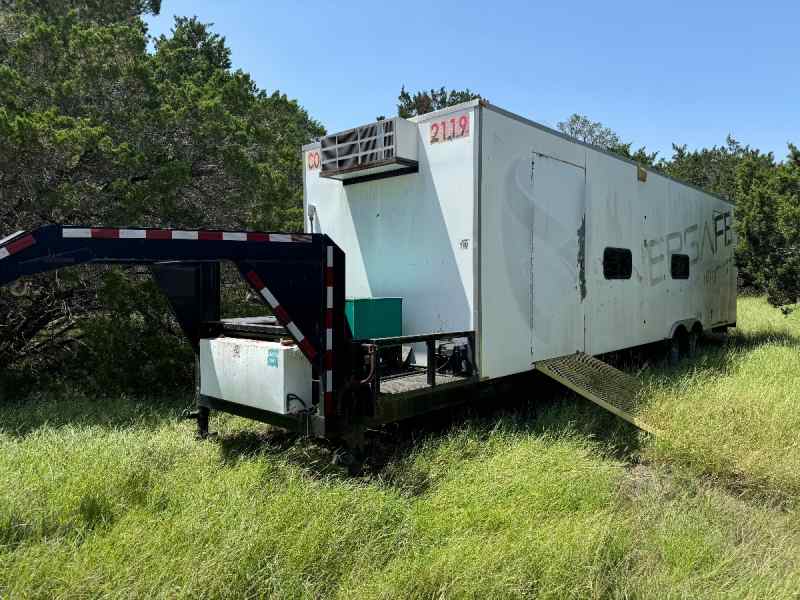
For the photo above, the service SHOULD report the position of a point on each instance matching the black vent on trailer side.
(617, 263)
(680, 266)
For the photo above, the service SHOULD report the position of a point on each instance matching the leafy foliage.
(713, 169)
(428, 101)
(768, 221)
(590, 132)
(134, 345)
(594, 132)
(95, 130)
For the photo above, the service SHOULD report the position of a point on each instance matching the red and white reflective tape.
(17, 246)
(328, 374)
(283, 317)
(106, 233)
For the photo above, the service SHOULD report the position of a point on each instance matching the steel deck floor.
(402, 384)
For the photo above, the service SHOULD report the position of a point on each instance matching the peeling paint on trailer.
(582, 258)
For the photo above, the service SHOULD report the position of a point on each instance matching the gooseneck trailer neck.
(301, 277)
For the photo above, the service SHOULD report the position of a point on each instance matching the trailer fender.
(688, 324)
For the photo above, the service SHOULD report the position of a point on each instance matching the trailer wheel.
(678, 346)
(674, 351)
(350, 460)
(693, 342)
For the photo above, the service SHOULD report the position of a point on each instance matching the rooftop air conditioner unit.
(384, 148)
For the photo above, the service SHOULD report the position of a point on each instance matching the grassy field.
(113, 497)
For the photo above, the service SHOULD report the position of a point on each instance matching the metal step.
(599, 382)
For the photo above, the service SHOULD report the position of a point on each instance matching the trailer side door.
(558, 237)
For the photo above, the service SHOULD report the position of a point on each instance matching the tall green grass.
(734, 413)
(114, 498)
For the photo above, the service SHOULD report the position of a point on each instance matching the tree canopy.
(426, 101)
(96, 130)
(768, 220)
(594, 132)
(713, 169)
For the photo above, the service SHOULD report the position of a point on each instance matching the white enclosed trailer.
(507, 246)
(545, 246)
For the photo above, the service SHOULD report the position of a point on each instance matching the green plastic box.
(374, 317)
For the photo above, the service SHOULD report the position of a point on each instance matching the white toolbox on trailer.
(264, 375)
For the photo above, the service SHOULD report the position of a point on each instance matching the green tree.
(424, 101)
(713, 169)
(768, 225)
(590, 132)
(95, 130)
(584, 129)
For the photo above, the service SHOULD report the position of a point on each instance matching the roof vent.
(384, 148)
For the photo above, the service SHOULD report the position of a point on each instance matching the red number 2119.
(450, 129)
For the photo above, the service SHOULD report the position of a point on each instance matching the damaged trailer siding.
(532, 209)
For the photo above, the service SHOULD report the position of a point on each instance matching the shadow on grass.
(312, 456)
(746, 341)
(718, 353)
(531, 405)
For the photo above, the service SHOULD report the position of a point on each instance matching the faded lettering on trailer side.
(717, 233)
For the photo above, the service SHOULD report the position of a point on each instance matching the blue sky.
(688, 72)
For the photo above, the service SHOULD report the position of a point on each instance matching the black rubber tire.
(674, 351)
(349, 460)
(693, 344)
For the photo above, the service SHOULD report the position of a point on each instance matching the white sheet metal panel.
(408, 236)
(559, 201)
(415, 236)
(655, 219)
(529, 221)
(255, 373)
(535, 180)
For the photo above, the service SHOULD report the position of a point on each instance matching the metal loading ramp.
(599, 382)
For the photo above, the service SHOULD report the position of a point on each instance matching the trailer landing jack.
(201, 415)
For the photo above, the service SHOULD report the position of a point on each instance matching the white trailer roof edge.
(521, 119)
(420, 118)
(569, 138)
